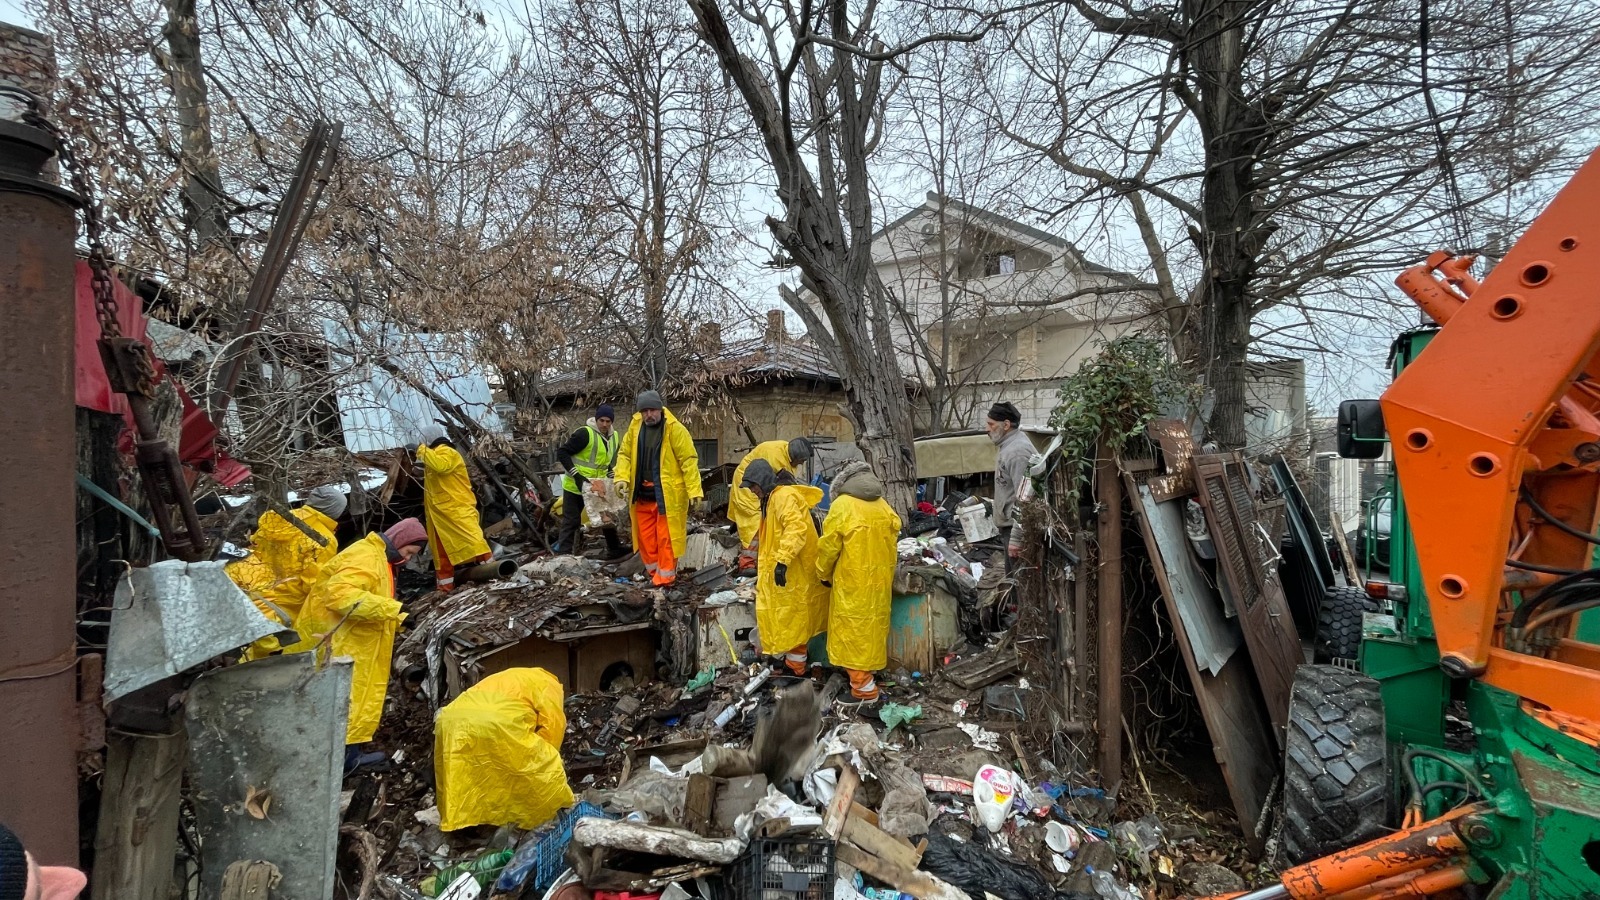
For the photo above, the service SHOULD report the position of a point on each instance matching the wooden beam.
(137, 837)
(917, 883)
(874, 840)
(844, 794)
(1108, 494)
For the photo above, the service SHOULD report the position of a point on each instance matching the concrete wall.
(774, 412)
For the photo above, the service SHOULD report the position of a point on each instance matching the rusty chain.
(105, 298)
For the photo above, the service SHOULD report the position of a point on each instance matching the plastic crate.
(542, 855)
(783, 868)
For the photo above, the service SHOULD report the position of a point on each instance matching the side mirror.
(1361, 433)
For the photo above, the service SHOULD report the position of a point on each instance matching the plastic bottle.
(484, 869)
(992, 794)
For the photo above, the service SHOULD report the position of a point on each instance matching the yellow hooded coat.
(497, 752)
(857, 554)
(791, 615)
(282, 567)
(744, 507)
(357, 588)
(680, 474)
(449, 508)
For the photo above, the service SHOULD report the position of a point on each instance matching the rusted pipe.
(491, 570)
(38, 646)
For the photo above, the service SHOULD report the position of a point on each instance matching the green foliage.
(1112, 397)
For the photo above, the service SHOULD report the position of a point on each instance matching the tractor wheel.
(1336, 789)
(1339, 623)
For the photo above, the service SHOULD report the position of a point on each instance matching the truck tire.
(1339, 623)
(1336, 788)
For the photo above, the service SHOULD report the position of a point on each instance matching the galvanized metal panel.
(266, 766)
(1212, 637)
(173, 615)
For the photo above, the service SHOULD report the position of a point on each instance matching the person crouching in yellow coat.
(790, 603)
(354, 608)
(497, 752)
(744, 507)
(285, 563)
(449, 507)
(857, 555)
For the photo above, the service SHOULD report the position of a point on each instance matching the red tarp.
(198, 443)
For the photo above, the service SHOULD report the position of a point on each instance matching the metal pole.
(38, 598)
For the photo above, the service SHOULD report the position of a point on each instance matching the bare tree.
(812, 80)
(1270, 156)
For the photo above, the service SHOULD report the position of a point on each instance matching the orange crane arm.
(1496, 435)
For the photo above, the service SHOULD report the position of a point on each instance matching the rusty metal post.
(38, 645)
(1108, 497)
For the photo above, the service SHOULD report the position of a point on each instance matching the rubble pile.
(739, 781)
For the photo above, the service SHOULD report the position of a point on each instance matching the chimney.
(708, 338)
(776, 333)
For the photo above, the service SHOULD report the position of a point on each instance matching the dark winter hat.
(648, 400)
(1005, 411)
(13, 866)
(761, 475)
(799, 450)
(604, 411)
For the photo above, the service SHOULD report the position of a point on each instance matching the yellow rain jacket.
(791, 615)
(282, 567)
(255, 578)
(857, 555)
(744, 507)
(497, 752)
(449, 508)
(358, 584)
(680, 474)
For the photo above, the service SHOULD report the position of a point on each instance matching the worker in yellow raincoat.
(355, 604)
(284, 562)
(660, 467)
(791, 603)
(497, 752)
(856, 556)
(744, 507)
(449, 507)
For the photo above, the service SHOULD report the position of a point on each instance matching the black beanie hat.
(1005, 411)
(13, 866)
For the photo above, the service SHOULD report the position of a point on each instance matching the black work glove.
(827, 584)
(781, 575)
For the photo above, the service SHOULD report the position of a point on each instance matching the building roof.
(740, 362)
(936, 200)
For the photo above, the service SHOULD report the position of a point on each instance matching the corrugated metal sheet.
(378, 411)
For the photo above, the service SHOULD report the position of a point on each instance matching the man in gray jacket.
(1010, 472)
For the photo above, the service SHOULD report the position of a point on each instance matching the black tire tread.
(1336, 788)
(1339, 623)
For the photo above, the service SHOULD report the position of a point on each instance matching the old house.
(992, 307)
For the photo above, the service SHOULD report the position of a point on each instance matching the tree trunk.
(1234, 229)
(202, 178)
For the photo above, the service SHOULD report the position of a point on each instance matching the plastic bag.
(601, 502)
(978, 871)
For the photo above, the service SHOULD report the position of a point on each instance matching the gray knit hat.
(799, 450)
(648, 400)
(328, 500)
(760, 474)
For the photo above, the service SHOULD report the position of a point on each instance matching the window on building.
(999, 264)
(707, 451)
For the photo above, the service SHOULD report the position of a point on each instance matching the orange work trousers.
(653, 540)
(445, 571)
(862, 685)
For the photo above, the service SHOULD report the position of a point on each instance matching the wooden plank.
(1108, 490)
(918, 884)
(864, 814)
(876, 841)
(844, 794)
(698, 802)
(1250, 567)
(1229, 703)
(138, 833)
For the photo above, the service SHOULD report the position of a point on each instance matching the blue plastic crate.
(543, 853)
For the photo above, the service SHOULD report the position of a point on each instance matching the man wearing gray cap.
(658, 463)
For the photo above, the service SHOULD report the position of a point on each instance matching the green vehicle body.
(1542, 838)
